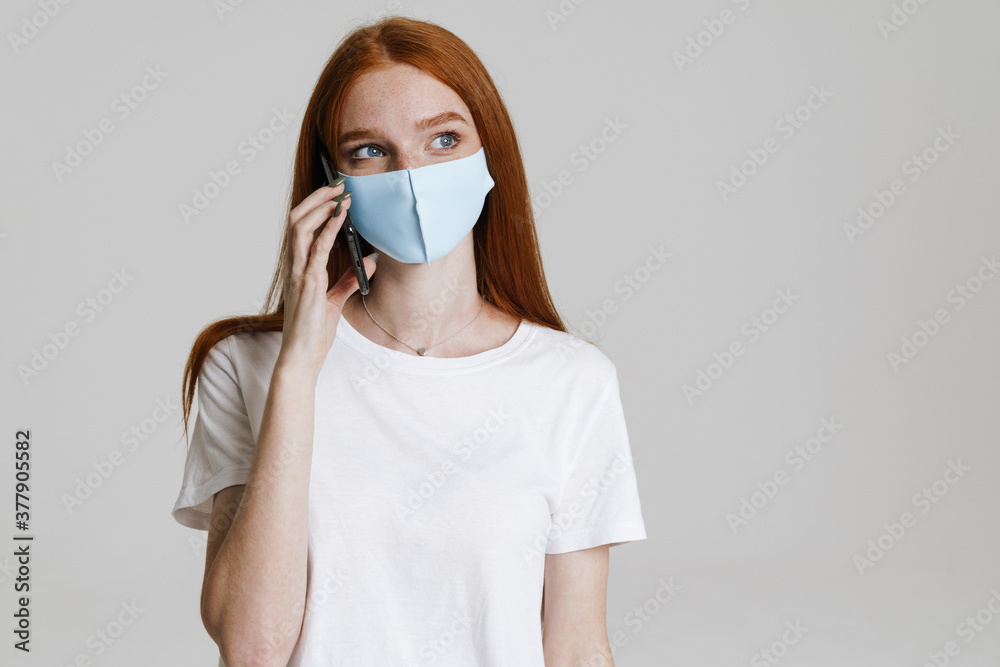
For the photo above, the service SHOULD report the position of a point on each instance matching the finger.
(348, 284)
(313, 200)
(286, 266)
(286, 284)
(319, 254)
(303, 233)
(300, 215)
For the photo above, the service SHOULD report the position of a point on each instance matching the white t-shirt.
(437, 486)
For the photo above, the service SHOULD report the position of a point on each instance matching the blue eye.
(367, 152)
(445, 140)
(451, 139)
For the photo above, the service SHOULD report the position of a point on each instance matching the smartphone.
(349, 233)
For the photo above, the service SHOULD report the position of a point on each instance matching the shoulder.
(249, 353)
(573, 358)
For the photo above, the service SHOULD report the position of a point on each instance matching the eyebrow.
(439, 119)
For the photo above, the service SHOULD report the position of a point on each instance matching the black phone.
(350, 233)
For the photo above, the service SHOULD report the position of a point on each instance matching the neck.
(422, 304)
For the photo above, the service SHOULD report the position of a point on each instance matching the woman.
(431, 473)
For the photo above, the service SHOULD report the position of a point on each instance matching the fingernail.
(343, 195)
(337, 181)
(336, 211)
(374, 257)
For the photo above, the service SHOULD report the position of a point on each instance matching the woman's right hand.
(312, 308)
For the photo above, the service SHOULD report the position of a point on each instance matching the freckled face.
(402, 118)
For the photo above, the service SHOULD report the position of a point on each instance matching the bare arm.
(253, 596)
(254, 592)
(575, 630)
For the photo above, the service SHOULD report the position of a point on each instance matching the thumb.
(348, 283)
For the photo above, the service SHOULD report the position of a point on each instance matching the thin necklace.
(423, 350)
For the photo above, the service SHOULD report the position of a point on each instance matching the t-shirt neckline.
(384, 356)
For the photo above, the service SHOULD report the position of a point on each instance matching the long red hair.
(509, 271)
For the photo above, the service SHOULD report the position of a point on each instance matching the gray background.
(654, 185)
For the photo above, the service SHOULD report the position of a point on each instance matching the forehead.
(397, 95)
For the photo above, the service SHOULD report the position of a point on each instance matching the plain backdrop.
(801, 481)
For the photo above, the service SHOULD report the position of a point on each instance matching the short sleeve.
(222, 441)
(599, 501)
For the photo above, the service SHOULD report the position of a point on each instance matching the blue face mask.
(420, 215)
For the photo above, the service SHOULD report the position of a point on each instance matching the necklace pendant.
(421, 351)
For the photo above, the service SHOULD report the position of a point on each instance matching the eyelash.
(455, 136)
